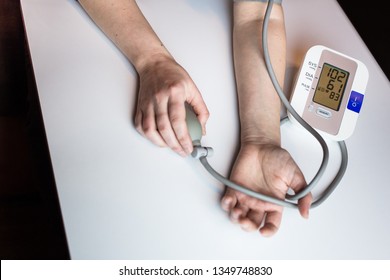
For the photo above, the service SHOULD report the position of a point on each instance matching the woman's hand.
(165, 87)
(270, 170)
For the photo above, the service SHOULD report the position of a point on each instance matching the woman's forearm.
(259, 104)
(123, 22)
(164, 86)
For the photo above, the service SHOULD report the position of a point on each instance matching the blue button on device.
(355, 101)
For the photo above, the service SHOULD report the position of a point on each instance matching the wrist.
(151, 59)
(263, 133)
(259, 141)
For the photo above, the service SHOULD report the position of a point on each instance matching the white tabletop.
(123, 198)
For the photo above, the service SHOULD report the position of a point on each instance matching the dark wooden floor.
(372, 24)
(30, 220)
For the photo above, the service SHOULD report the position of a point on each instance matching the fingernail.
(245, 226)
(226, 203)
(234, 219)
(188, 149)
(236, 215)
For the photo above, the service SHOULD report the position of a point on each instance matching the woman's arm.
(261, 164)
(259, 104)
(164, 85)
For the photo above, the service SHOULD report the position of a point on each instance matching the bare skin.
(165, 86)
(261, 165)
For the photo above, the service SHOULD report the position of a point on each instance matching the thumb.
(304, 205)
(200, 109)
(297, 185)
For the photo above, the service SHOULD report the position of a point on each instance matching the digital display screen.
(331, 86)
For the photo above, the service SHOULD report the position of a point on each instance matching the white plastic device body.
(329, 91)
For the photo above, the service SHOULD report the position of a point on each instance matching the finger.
(256, 217)
(298, 182)
(149, 129)
(238, 213)
(304, 205)
(138, 122)
(252, 221)
(200, 109)
(229, 200)
(297, 185)
(177, 117)
(272, 222)
(165, 129)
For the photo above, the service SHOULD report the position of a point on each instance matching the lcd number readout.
(214, 271)
(331, 86)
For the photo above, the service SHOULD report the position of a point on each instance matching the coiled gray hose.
(291, 200)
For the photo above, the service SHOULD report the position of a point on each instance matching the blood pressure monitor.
(326, 100)
(329, 92)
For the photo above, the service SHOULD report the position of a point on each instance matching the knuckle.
(177, 120)
(170, 89)
(177, 86)
(148, 130)
(176, 148)
(177, 89)
(163, 127)
(160, 96)
(182, 139)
